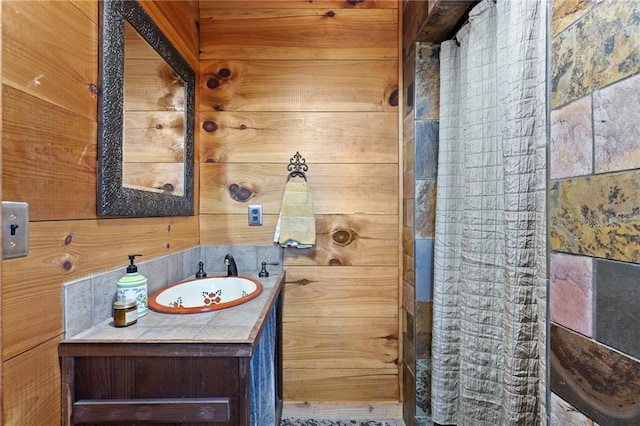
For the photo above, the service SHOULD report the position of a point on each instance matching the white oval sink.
(204, 294)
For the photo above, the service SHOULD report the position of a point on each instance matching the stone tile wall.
(594, 213)
(427, 114)
(422, 92)
(408, 243)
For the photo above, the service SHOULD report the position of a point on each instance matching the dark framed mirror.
(146, 118)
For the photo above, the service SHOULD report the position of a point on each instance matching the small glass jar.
(125, 312)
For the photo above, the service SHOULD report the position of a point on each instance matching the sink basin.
(204, 295)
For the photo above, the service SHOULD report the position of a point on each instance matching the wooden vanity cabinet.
(161, 383)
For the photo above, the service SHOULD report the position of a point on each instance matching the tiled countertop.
(240, 324)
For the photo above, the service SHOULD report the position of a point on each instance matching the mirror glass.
(145, 155)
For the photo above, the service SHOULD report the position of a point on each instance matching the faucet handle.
(201, 273)
(264, 273)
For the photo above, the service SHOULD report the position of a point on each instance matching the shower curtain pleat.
(489, 261)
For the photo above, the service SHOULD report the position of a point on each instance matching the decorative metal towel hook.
(297, 166)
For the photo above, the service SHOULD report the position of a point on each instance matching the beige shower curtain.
(490, 244)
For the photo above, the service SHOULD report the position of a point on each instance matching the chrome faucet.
(232, 269)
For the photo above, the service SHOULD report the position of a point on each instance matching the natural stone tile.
(598, 381)
(408, 298)
(245, 257)
(615, 120)
(564, 414)
(408, 213)
(617, 302)
(270, 254)
(409, 156)
(104, 287)
(408, 326)
(599, 51)
(596, 216)
(424, 326)
(409, 402)
(78, 304)
(571, 295)
(192, 257)
(408, 269)
(408, 70)
(408, 123)
(426, 157)
(423, 387)
(424, 269)
(571, 145)
(157, 272)
(566, 12)
(407, 241)
(423, 421)
(408, 184)
(427, 81)
(425, 208)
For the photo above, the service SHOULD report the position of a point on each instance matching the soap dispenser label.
(139, 294)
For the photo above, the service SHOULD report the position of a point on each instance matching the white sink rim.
(208, 294)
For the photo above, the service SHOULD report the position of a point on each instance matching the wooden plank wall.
(49, 146)
(321, 78)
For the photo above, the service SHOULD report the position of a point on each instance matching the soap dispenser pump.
(133, 286)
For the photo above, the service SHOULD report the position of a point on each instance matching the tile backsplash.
(89, 301)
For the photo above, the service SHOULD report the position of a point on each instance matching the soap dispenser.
(133, 286)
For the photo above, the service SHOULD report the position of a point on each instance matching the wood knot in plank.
(210, 126)
(330, 14)
(335, 262)
(302, 281)
(224, 73)
(167, 188)
(68, 239)
(218, 107)
(93, 88)
(240, 193)
(355, 2)
(393, 98)
(343, 237)
(66, 262)
(213, 83)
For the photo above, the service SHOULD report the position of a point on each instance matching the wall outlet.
(255, 215)
(15, 229)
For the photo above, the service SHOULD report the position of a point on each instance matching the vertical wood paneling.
(1, 139)
(278, 77)
(178, 20)
(49, 142)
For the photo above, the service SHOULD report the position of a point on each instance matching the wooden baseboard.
(324, 411)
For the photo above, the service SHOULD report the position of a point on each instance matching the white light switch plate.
(15, 229)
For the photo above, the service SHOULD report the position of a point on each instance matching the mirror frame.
(113, 198)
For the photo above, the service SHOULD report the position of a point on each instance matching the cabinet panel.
(162, 377)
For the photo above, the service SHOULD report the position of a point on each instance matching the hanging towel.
(296, 225)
